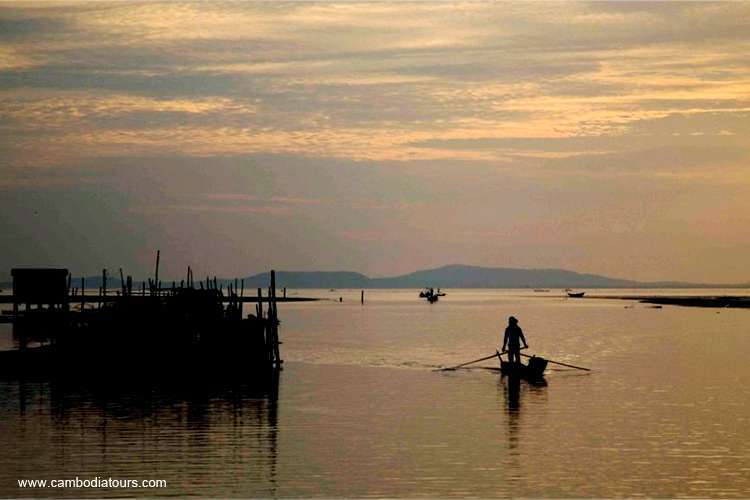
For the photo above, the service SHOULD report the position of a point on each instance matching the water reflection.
(511, 388)
(514, 390)
(181, 430)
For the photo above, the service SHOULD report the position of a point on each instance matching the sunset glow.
(600, 137)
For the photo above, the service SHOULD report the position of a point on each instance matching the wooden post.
(156, 272)
(66, 304)
(284, 292)
(122, 283)
(274, 321)
(259, 307)
(104, 282)
(362, 298)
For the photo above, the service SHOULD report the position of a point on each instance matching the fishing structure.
(193, 325)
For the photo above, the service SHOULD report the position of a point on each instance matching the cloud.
(534, 126)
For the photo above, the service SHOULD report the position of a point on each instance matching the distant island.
(463, 276)
(451, 276)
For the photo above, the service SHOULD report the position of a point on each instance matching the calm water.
(358, 410)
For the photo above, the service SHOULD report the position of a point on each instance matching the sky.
(601, 137)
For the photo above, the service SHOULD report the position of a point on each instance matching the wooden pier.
(173, 328)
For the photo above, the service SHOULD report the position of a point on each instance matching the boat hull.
(533, 371)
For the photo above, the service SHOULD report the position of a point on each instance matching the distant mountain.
(310, 279)
(460, 276)
(452, 276)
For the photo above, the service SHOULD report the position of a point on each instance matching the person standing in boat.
(512, 340)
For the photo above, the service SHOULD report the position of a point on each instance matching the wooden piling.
(66, 300)
(274, 322)
(122, 282)
(362, 298)
(156, 272)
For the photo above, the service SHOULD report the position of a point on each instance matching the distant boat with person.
(576, 295)
(431, 295)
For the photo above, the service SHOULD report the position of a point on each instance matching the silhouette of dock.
(183, 327)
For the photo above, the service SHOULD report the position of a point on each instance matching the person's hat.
(512, 319)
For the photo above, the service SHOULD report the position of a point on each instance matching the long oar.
(561, 364)
(470, 362)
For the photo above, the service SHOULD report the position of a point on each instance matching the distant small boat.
(576, 295)
(533, 371)
(431, 295)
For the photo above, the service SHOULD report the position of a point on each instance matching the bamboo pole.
(122, 283)
(274, 320)
(156, 272)
(496, 355)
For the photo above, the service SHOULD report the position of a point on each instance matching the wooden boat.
(533, 371)
(576, 295)
(431, 295)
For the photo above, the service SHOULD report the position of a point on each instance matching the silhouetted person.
(512, 340)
